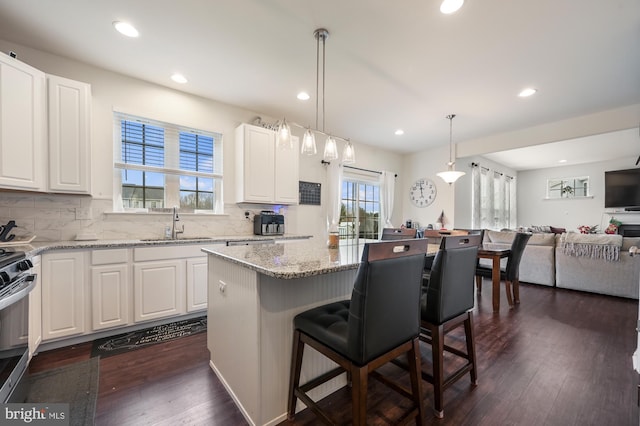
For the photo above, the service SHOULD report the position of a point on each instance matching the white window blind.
(165, 165)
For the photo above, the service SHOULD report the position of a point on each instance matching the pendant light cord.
(317, 77)
(450, 117)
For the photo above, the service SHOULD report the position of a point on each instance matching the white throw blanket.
(595, 246)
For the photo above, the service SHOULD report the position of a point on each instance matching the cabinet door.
(22, 125)
(35, 309)
(159, 289)
(255, 164)
(69, 135)
(110, 296)
(286, 174)
(63, 307)
(196, 284)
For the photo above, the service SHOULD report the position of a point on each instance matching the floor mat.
(114, 345)
(75, 384)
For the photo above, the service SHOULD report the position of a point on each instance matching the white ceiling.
(608, 146)
(389, 65)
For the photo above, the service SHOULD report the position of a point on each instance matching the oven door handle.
(24, 284)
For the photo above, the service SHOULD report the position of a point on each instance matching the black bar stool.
(380, 323)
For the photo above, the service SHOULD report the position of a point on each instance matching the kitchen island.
(254, 293)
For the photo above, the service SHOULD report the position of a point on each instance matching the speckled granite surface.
(297, 259)
(35, 248)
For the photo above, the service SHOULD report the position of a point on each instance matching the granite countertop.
(38, 247)
(296, 259)
(293, 260)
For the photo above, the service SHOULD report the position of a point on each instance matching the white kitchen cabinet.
(22, 126)
(63, 294)
(196, 284)
(110, 288)
(35, 308)
(159, 289)
(265, 173)
(69, 108)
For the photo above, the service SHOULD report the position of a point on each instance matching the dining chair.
(447, 302)
(510, 275)
(379, 323)
(398, 233)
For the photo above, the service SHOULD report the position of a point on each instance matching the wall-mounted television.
(622, 189)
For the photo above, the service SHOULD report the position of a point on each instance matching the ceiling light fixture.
(450, 6)
(179, 78)
(303, 96)
(527, 92)
(450, 176)
(125, 29)
(284, 135)
(308, 145)
(399, 132)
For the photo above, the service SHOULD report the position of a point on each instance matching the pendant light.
(348, 154)
(450, 176)
(284, 135)
(308, 143)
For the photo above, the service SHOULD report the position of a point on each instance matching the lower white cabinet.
(63, 294)
(196, 284)
(110, 288)
(86, 291)
(159, 289)
(35, 308)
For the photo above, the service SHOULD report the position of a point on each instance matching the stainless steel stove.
(16, 281)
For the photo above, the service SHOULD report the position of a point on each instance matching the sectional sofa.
(547, 261)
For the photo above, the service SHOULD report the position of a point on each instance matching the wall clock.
(423, 192)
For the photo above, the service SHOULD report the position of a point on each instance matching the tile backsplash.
(53, 217)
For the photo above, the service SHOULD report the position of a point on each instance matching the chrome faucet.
(174, 228)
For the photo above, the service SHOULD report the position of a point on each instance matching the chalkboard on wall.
(309, 193)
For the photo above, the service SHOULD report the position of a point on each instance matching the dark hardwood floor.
(560, 358)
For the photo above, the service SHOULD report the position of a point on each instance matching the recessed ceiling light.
(399, 132)
(179, 78)
(125, 29)
(450, 6)
(527, 92)
(303, 96)
(562, 161)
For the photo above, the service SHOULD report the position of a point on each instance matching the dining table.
(495, 255)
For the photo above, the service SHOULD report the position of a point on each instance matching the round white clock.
(423, 192)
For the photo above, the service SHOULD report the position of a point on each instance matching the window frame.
(171, 170)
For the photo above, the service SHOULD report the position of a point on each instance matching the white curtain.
(493, 199)
(387, 190)
(334, 179)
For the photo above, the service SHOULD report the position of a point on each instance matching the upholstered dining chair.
(380, 323)
(447, 301)
(510, 275)
(398, 233)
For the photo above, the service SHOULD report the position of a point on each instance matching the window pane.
(154, 179)
(205, 184)
(205, 200)
(188, 182)
(132, 177)
(188, 199)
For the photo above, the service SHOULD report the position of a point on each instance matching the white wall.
(426, 164)
(55, 217)
(569, 213)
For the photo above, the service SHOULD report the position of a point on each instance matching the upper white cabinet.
(69, 110)
(44, 130)
(22, 125)
(264, 173)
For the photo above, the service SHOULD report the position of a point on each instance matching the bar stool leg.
(294, 377)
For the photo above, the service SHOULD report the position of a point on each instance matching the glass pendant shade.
(308, 143)
(330, 149)
(284, 135)
(348, 154)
